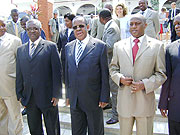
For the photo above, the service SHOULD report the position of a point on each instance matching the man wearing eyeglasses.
(87, 80)
(38, 81)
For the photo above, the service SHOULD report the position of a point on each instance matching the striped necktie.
(79, 52)
(32, 49)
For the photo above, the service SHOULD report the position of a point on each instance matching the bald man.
(138, 68)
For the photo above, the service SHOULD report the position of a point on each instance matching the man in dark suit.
(65, 36)
(87, 80)
(172, 13)
(170, 93)
(111, 35)
(38, 82)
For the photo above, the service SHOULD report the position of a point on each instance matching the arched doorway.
(63, 10)
(86, 9)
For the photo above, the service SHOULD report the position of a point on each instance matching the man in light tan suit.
(152, 19)
(138, 68)
(14, 27)
(10, 115)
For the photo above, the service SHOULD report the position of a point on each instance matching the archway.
(86, 9)
(63, 10)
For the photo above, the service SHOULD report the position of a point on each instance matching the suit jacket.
(10, 28)
(170, 94)
(89, 82)
(8, 49)
(97, 29)
(177, 11)
(110, 36)
(149, 67)
(152, 20)
(39, 74)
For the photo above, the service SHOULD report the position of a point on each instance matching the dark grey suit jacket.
(170, 93)
(89, 82)
(39, 74)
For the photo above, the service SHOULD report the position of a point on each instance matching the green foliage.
(155, 4)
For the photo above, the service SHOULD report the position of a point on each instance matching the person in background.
(162, 19)
(14, 27)
(169, 102)
(121, 13)
(38, 81)
(110, 36)
(86, 80)
(152, 19)
(54, 27)
(138, 68)
(24, 36)
(66, 35)
(11, 122)
(172, 13)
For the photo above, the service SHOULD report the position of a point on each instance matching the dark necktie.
(142, 12)
(135, 49)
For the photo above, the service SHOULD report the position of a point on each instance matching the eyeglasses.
(80, 26)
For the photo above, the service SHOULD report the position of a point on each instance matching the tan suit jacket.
(149, 67)
(10, 29)
(8, 47)
(152, 20)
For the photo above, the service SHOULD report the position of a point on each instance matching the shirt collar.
(106, 25)
(36, 42)
(140, 40)
(85, 41)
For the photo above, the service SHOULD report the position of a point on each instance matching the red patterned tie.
(135, 49)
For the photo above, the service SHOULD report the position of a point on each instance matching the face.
(101, 20)
(55, 15)
(143, 5)
(23, 24)
(80, 29)
(177, 25)
(173, 5)
(68, 22)
(119, 11)
(33, 31)
(2, 28)
(14, 16)
(137, 27)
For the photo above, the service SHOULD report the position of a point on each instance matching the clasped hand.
(135, 86)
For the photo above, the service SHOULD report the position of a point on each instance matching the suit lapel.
(128, 49)
(27, 51)
(89, 47)
(143, 47)
(72, 52)
(38, 49)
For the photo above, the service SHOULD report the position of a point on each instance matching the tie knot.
(136, 40)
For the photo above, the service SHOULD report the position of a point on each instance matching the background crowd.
(108, 61)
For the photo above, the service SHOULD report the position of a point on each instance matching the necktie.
(32, 49)
(142, 12)
(79, 52)
(135, 49)
(16, 29)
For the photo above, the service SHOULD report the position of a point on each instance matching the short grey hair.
(34, 21)
(80, 18)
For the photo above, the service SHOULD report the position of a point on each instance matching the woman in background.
(121, 13)
(162, 19)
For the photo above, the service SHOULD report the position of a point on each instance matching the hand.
(126, 81)
(163, 112)
(67, 102)
(55, 101)
(102, 104)
(137, 86)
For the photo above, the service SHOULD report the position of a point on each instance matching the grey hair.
(34, 21)
(140, 17)
(79, 18)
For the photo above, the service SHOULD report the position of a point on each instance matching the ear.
(88, 26)
(145, 25)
